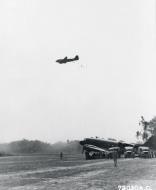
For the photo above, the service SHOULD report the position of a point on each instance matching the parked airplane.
(102, 147)
(65, 60)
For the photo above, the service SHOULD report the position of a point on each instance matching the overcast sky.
(40, 99)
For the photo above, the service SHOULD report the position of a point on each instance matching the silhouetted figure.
(61, 155)
(115, 157)
(65, 60)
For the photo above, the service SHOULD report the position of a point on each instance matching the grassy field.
(74, 172)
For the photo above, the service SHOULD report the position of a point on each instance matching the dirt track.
(77, 174)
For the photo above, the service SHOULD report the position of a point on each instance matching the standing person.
(115, 157)
(61, 155)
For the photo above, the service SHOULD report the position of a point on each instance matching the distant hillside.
(35, 146)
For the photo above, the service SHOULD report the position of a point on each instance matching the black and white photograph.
(77, 95)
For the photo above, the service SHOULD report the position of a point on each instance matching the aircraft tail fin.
(76, 57)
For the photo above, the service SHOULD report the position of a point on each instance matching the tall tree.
(148, 128)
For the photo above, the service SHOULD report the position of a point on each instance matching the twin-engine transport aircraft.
(101, 148)
(65, 60)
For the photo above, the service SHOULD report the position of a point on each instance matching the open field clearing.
(74, 172)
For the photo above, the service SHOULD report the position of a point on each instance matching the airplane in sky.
(65, 60)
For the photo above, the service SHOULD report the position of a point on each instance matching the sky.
(103, 94)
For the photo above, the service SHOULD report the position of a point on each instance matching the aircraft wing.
(90, 147)
(99, 142)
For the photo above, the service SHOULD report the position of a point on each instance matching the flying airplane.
(65, 60)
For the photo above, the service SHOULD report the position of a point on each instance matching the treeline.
(35, 146)
(26, 146)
